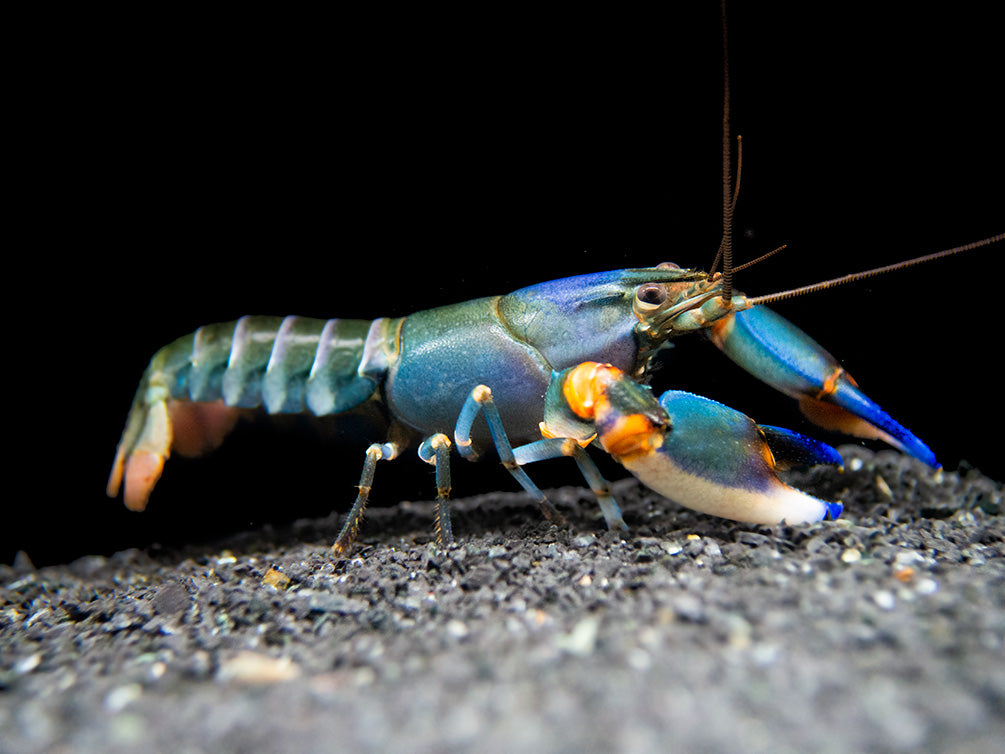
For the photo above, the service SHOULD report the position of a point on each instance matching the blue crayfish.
(554, 367)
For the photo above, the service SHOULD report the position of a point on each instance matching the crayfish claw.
(719, 461)
(714, 459)
(780, 354)
(791, 449)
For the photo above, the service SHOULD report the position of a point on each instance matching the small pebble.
(884, 599)
(851, 555)
(582, 640)
(255, 668)
(119, 698)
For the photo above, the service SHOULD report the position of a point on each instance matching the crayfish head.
(667, 309)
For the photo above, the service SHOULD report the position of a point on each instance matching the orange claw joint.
(697, 452)
(599, 400)
(627, 417)
(777, 352)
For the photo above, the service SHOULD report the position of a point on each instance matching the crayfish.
(553, 368)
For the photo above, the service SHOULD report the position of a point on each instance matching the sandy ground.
(883, 631)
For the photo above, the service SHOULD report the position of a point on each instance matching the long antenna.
(736, 194)
(793, 292)
(727, 179)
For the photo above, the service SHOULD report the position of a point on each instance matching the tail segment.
(195, 388)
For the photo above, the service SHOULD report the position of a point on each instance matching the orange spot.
(721, 329)
(769, 457)
(831, 383)
(586, 384)
(631, 435)
(546, 431)
(904, 574)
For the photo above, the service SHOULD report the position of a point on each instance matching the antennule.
(793, 292)
(752, 262)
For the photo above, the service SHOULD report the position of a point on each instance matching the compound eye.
(650, 296)
(668, 266)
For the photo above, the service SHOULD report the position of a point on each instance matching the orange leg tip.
(143, 469)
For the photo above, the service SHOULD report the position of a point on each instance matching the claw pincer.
(777, 352)
(700, 453)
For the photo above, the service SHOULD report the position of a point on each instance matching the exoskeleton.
(554, 367)
(521, 358)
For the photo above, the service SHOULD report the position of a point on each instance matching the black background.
(197, 169)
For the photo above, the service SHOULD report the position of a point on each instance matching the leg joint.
(433, 446)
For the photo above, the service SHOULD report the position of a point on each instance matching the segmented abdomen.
(286, 364)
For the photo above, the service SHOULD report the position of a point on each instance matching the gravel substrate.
(883, 631)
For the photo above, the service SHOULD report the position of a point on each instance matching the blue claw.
(777, 352)
(793, 449)
(719, 461)
(700, 453)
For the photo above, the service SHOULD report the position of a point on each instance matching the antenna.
(793, 292)
(726, 246)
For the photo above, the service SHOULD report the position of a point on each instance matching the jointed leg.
(481, 399)
(435, 450)
(376, 452)
(565, 446)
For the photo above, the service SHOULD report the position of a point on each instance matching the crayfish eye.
(650, 296)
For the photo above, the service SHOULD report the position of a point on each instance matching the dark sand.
(879, 632)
